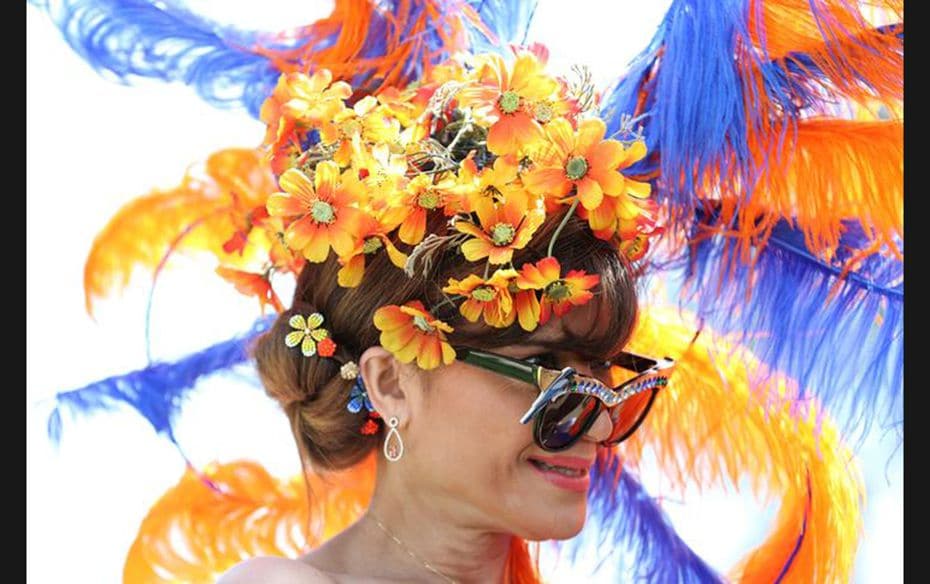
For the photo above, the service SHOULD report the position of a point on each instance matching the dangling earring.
(393, 452)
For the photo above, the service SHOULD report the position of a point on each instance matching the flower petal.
(308, 347)
(350, 275)
(297, 184)
(590, 132)
(389, 318)
(297, 321)
(547, 181)
(314, 320)
(293, 338)
(413, 228)
(326, 178)
(589, 192)
(301, 232)
(560, 133)
(317, 248)
(606, 155)
(476, 249)
(471, 309)
(527, 306)
(282, 205)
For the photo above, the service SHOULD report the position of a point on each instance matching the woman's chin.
(556, 524)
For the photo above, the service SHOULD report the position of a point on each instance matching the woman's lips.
(566, 472)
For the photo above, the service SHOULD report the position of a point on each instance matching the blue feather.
(165, 41)
(508, 20)
(137, 38)
(629, 526)
(157, 391)
(835, 349)
(690, 86)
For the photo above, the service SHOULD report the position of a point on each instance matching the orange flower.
(384, 172)
(364, 123)
(313, 100)
(490, 185)
(410, 332)
(583, 160)
(250, 284)
(299, 102)
(511, 96)
(412, 206)
(558, 294)
(491, 297)
(325, 215)
(526, 304)
(504, 227)
(372, 238)
(626, 215)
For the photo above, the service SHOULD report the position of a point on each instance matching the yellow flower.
(489, 185)
(410, 332)
(372, 238)
(504, 227)
(324, 210)
(297, 104)
(383, 173)
(412, 206)
(583, 160)
(364, 123)
(307, 333)
(511, 95)
(490, 297)
(558, 294)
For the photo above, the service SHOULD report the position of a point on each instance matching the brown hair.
(313, 394)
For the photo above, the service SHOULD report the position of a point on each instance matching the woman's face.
(470, 454)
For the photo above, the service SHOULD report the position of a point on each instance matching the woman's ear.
(381, 372)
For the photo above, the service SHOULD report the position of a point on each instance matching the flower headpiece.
(495, 147)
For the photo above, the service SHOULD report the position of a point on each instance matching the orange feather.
(201, 214)
(715, 424)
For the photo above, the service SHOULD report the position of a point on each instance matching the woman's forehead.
(561, 332)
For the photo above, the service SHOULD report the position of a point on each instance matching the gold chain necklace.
(408, 550)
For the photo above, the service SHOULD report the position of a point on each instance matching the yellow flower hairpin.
(310, 336)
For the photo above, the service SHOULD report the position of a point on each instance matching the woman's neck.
(430, 536)
(432, 541)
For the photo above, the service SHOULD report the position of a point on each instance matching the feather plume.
(199, 529)
(157, 391)
(737, 428)
(811, 320)
(371, 44)
(200, 214)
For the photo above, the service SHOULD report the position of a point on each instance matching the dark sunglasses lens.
(628, 415)
(564, 420)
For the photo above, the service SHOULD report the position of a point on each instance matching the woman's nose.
(600, 429)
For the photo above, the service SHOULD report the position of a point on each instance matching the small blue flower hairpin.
(358, 398)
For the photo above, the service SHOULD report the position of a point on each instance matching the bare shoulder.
(274, 570)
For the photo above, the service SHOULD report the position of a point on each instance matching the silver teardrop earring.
(393, 452)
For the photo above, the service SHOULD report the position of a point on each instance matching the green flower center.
(558, 290)
(576, 168)
(322, 212)
(502, 234)
(483, 293)
(420, 322)
(428, 200)
(543, 112)
(509, 102)
(372, 244)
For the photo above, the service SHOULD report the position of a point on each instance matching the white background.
(92, 145)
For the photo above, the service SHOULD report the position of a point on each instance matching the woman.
(442, 390)
(449, 232)
(471, 477)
